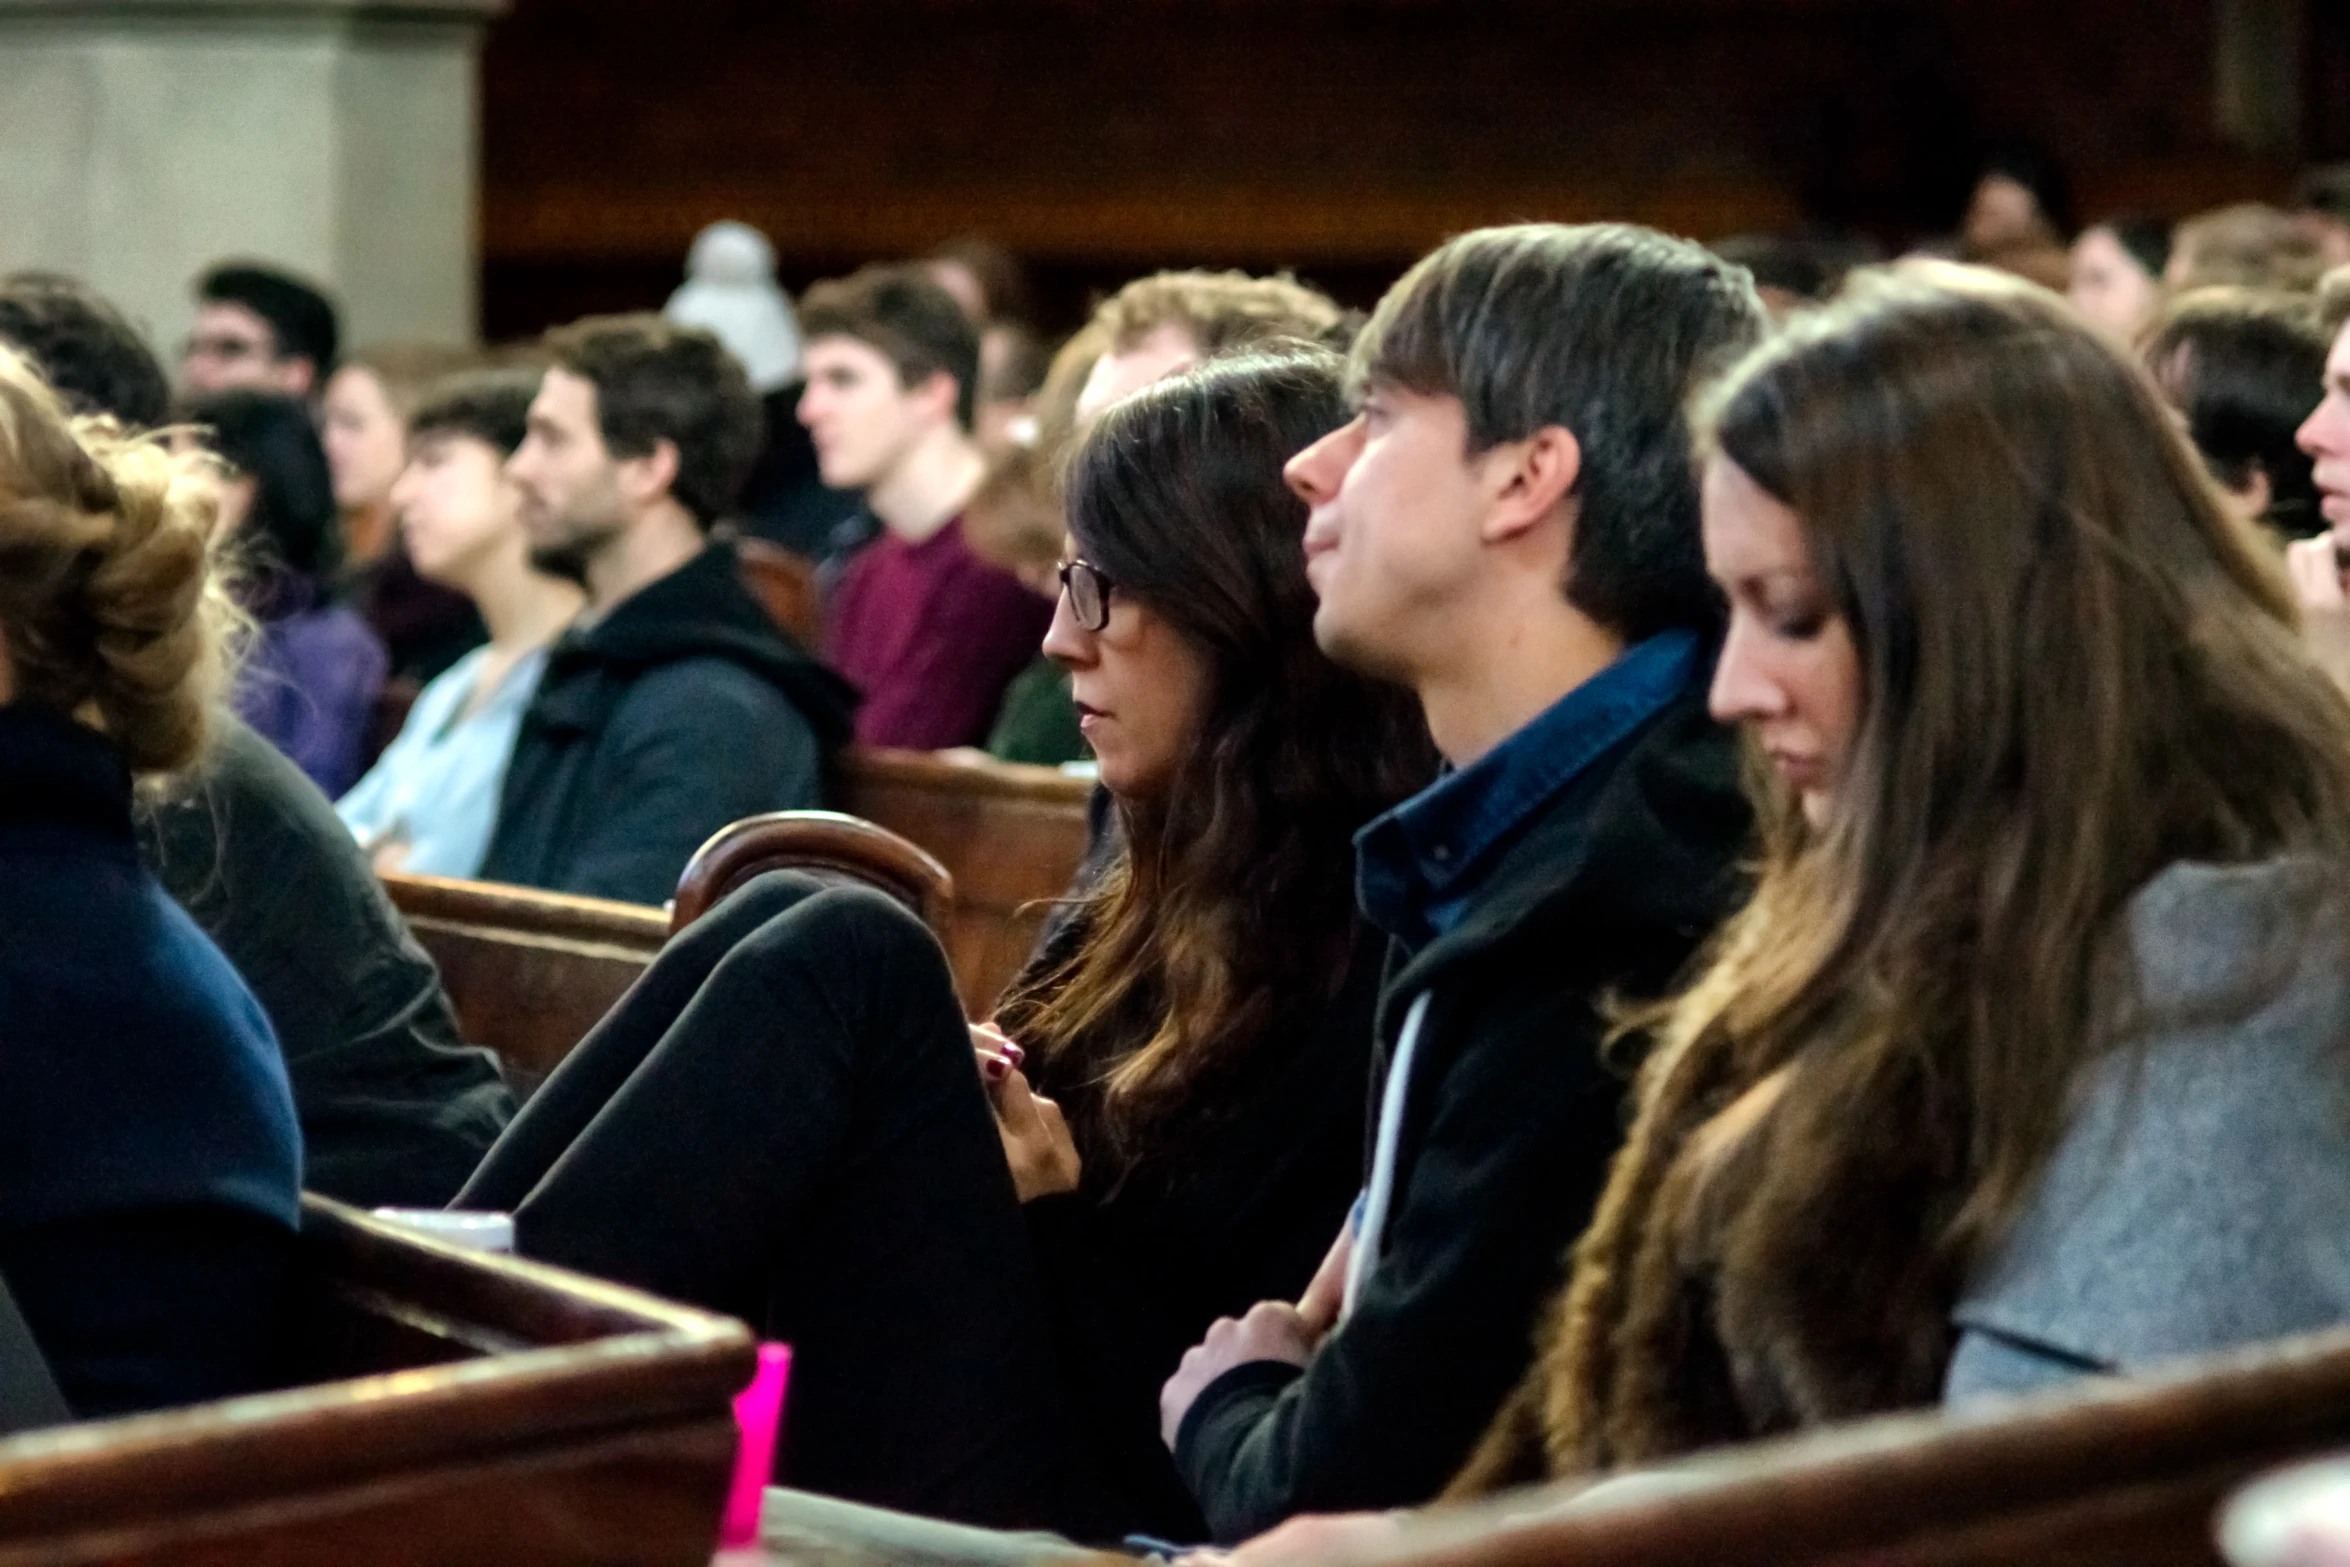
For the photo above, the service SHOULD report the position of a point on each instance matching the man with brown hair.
(1509, 526)
(1171, 320)
(673, 706)
(929, 632)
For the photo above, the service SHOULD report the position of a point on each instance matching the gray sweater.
(2199, 1200)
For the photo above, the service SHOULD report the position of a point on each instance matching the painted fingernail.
(996, 1068)
(1014, 1054)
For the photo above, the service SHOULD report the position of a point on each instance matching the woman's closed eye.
(1800, 625)
(1789, 612)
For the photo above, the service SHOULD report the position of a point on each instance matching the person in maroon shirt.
(927, 630)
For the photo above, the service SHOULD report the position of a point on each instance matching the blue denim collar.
(1419, 865)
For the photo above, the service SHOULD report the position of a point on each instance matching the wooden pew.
(443, 1406)
(2112, 1473)
(1011, 836)
(530, 972)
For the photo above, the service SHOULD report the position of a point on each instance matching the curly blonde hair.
(110, 610)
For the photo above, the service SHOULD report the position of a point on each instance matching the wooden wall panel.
(1103, 137)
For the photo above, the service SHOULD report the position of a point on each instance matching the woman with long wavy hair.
(784, 1119)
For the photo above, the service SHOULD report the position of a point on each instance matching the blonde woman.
(149, 1156)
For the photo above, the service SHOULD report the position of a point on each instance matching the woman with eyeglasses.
(987, 1266)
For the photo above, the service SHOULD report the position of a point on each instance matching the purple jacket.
(309, 685)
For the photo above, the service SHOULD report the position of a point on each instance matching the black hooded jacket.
(680, 711)
(1509, 1124)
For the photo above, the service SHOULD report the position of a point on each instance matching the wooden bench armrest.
(819, 841)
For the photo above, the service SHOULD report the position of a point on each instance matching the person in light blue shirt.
(428, 804)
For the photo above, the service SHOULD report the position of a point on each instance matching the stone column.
(141, 140)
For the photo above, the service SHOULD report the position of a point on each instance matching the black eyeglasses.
(1089, 593)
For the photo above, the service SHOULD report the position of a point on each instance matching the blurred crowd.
(364, 592)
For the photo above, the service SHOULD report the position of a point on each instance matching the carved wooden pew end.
(443, 1406)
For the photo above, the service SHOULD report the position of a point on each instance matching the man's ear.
(1532, 477)
(939, 393)
(646, 479)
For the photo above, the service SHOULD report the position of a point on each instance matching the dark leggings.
(783, 1121)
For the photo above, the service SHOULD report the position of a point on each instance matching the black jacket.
(1508, 1128)
(680, 711)
(394, 1108)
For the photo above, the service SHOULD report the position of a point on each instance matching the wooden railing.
(2110, 1473)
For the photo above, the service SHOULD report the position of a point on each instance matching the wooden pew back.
(1011, 836)
(480, 1410)
(529, 972)
(2106, 1474)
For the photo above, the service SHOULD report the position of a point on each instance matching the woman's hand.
(994, 1045)
(2316, 568)
(1037, 1144)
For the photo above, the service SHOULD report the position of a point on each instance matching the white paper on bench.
(476, 1230)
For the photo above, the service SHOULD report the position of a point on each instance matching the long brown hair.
(2077, 670)
(1232, 905)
